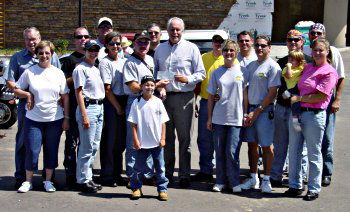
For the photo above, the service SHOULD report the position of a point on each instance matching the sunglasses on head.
(151, 33)
(314, 33)
(293, 39)
(82, 36)
(241, 41)
(257, 45)
(93, 50)
(111, 43)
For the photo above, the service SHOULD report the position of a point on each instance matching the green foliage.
(61, 45)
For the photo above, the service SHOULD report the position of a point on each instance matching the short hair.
(326, 44)
(267, 39)
(153, 25)
(31, 29)
(298, 56)
(245, 33)
(229, 42)
(173, 19)
(110, 36)
(44, 43)
(80, 28)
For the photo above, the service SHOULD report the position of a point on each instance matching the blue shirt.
(182, 58)
(21, 61)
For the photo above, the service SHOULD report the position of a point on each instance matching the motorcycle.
(8, 102)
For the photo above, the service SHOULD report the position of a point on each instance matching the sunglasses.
(111, 43)
(314, 33)
(142, 43)
(93, 50)
(228, 50)
(155, 33)
(105, 27)
(82, 36)
(219, 41)
(257, 45)
(242, 41)
(293, 39)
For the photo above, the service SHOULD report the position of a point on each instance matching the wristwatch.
(260, 107)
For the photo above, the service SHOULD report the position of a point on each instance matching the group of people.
(109, 99)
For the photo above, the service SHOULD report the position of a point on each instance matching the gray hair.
(31, 29)
(173, 19)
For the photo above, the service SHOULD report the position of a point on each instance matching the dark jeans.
(20, 150)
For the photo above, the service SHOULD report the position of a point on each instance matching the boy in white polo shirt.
(148, 117)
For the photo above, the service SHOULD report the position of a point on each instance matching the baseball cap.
(146, 79)
(143, 34)
(318, 26)
(91, 43)
(104, 19)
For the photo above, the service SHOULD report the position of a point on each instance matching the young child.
(291, 74)
(148, 117)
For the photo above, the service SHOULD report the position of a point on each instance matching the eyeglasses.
(219, 41)
(105, 26)
(155, 33)
(314, 33)
(82, 36)
(93, 50)
(293, 39)
(242, 41)
(111, 43)
(228, 50)
(257, 45)
(142, 43)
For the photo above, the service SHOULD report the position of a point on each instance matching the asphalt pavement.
(197, 198)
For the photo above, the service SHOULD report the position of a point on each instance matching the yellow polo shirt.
(211, 63)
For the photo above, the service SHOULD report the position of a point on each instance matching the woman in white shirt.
(43, 85)
(90, 92)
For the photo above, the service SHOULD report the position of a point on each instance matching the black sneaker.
(87, 188)
(202, 177)
(98, 186)
(275, 183)
(310, 196)
(326, 181)
(71, 182)
(293, 192)
(184, 183)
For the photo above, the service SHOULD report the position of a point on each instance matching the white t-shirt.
(89, 78)
(46, 84)
(149, 117)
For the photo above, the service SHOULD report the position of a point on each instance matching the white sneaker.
(25, 187)
(296, 124)
(266, 186)
(48, 185)
(250, 183)
(218, 187)
(236, 189)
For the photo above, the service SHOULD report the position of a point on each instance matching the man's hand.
(137, 144)
(162, 83)
(30, 101)
(180, 78)
(65, 124)
(119, 110)
(162, 143)
(86, 122)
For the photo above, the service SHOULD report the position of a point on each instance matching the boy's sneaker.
(236, 189)
(296, 124)
(25, 187)
(136, 194)
(218, 187)
(250, 183)
(48, 185)
(163, 196)
(266, 186)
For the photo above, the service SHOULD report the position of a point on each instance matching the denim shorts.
(262, 130)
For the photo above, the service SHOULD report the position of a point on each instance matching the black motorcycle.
(8, 102)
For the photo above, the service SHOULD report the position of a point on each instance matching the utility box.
(303, 27)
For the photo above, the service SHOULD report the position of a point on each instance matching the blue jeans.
(20, 150)
(328, 142)
(130, 151)
(227, 146)
(157, 154)
(280, 141)
(113, 141)
(48, 135)
(205, 140)
(89, 141)
(313, 127)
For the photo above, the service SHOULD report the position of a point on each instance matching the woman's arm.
(311, 98)
(25, 94)
(210, 111)
(80, 100)
(113, 100)
(65, 100)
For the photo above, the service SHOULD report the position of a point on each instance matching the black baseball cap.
(146, 79)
